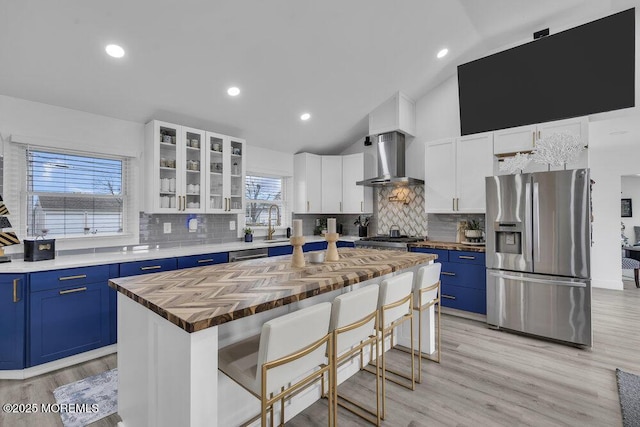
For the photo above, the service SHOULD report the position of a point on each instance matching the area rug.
(629, 393)
(88, 400)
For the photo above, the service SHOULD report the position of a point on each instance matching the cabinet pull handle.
(72, 291)
(466, 257)
(457, 200)
(151, 267)
(184, 203)
(340, 206)
(361, 206)
(228, 204)
(179, 203)
(308, 206)
(79, 276)
(200, 261)
(446, 273)
(453, 204)
(538, 134)
(533, 139)
(15, 290)
(448, 296)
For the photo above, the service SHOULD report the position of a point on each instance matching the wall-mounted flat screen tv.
(584, 70)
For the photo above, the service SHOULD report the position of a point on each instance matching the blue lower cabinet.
(314, 246)
(150, 266)
(463, 278)
(343, 244)
(202, 260)
(13, 297)
(68, 320)
(461, 298)
(280, 250)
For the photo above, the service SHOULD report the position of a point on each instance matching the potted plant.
(248, 234)
(473, 230)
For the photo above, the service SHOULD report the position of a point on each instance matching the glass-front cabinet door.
(236, 175)
(163, 140)
(226, 165)
(193, 183)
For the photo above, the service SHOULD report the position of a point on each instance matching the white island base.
(168, 377)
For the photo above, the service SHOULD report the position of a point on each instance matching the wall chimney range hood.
(390, 163)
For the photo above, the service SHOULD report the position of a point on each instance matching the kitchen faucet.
(271, 230)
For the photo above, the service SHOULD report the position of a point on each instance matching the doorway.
(630, 227)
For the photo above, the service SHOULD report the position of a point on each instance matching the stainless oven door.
(548, 306)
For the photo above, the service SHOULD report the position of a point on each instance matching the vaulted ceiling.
(335, 59)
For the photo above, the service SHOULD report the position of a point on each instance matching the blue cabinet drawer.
(69, 277)
(467, 257)
(314, 246)
(343, 244)
(150, 266)
(465, 275)
(467, 299)
(68, 321)
(443, 254)
(202, 260)
(280, 250)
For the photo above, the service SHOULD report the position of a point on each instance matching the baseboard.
(21, 374)
(465, 314)
(607, 284)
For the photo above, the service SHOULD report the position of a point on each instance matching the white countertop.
(89, 259)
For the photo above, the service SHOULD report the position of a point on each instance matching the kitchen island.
(171, 324)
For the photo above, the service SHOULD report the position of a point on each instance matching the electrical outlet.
(167, 227)
(232, 225)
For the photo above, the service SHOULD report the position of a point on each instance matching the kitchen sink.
(282, 240)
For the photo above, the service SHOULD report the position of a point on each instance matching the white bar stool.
(288, 347)
(395, 304)
(426, 294)
(354, 323)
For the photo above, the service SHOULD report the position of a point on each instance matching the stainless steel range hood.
(390, 163)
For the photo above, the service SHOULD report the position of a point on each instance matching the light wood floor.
(486, 378)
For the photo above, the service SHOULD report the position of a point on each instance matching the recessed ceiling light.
(618, 132)
(442, 53)
(305, 116)
(233, 91)
(114, 50)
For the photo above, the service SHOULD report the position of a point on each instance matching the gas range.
(386, 242)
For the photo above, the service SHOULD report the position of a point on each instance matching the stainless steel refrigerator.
(538, 254)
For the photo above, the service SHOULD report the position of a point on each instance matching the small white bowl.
(316, 257)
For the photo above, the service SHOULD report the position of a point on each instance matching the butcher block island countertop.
(447, 246)
(199, 298)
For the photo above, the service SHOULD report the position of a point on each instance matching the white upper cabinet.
(174, 158)
(307, 173)
(396, 113)
(455, 171)
(440, 176)
(474, 163)
(225, 172)
(186, 175)
(525, 139)
(327, 184)
(355, 198)
(331, 183)
(513, 140)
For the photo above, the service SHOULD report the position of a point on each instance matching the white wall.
(57, 127)
(631, 190)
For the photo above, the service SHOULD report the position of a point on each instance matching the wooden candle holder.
(297, 260)
(332, 249)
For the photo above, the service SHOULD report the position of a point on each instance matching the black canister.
(288, 232)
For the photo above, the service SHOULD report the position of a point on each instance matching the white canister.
(164, 201)
(196, 188)
(164, 184)
(191, 188)
(172, 184)
(172, 201)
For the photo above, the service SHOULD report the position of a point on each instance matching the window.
(260, 193)
(71, 195)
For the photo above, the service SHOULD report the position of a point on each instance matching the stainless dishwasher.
(248, 254)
